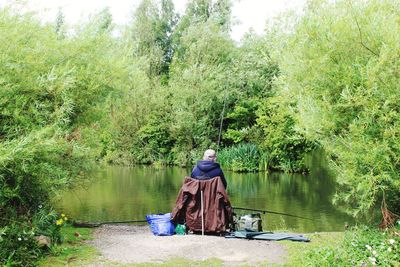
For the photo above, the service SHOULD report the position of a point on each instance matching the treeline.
(159, 89)
(199, 87)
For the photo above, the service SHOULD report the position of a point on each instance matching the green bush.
(48, 222)
(18, 246)
(362, 246)
(282, 145)
(34, 168)
(18, 243)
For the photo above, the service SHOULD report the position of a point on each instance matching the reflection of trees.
(126, 193)
(310, 189)
(304, 195)
(121, 193)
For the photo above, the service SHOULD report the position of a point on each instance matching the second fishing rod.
(271, 212)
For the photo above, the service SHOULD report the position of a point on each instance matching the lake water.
(129, 193)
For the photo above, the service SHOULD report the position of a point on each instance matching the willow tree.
(53, 113)
(220, 11)
(198, 12)
(341, 65)
(151, 33)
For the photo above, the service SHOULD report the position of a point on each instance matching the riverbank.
(128, 245)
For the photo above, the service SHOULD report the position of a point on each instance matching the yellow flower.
(65, 218)
(62, 215)
(59, 222)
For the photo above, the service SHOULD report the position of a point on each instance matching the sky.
(248, 13)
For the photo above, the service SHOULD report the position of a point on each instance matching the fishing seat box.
(249, 222)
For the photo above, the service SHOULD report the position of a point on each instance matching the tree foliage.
(152, 33)
(345, 84)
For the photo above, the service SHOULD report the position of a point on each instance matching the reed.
(243, 157)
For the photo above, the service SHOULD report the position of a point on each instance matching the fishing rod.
(222, 119)
(272, 212)
(97, 224)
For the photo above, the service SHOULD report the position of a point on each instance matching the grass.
(73, 251)
(359, 246)
(298, 250)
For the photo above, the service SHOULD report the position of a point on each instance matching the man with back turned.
(202, 202)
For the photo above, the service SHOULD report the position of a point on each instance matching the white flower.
(368, 247)
(391, 241)
(374, 253)
(40, 206)
(390, 249)
(372, 259)
(19, 239)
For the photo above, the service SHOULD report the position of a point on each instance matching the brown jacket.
(217, 207)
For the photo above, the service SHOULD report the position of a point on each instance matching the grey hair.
(209, 154)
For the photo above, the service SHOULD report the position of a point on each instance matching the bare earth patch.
(136, 244)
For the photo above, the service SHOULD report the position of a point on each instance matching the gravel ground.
(136, 244)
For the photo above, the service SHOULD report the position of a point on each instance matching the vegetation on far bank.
(157, 92)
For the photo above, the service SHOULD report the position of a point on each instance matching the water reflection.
(121, 193)
(294, 194)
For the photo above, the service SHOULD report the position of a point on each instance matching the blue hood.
(208, 169)
(206, 166)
